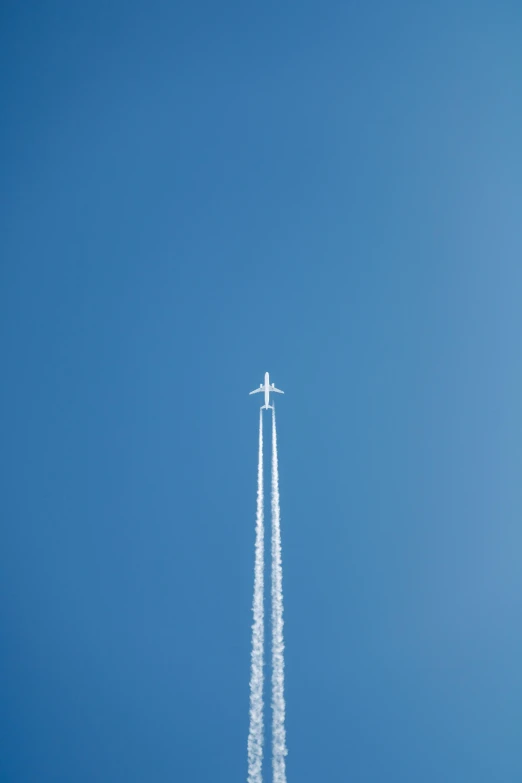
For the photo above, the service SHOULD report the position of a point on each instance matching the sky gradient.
(194, 194)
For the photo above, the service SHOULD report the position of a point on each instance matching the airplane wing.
(256, 390)
(273, 388)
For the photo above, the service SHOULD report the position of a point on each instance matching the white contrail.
(255, 734)
(279, 750)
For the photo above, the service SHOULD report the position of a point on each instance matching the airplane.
(267, 388)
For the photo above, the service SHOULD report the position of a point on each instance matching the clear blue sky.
(193, 194)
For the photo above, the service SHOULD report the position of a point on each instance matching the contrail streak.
(255, 734)
(279, 750)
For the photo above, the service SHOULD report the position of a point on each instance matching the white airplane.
(267, 388)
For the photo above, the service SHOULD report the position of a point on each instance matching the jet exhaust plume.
(279, 750)
(255, 734)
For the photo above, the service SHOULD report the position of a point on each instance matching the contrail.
(255, 734)
(279, 750)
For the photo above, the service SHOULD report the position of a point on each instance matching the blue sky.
(193, 194)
